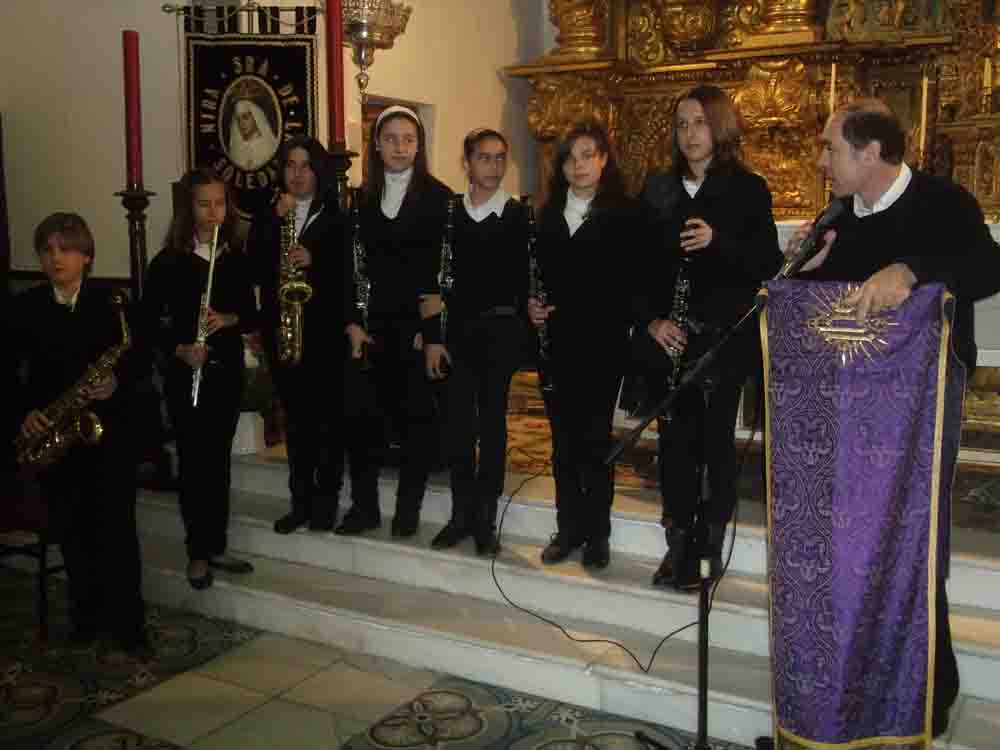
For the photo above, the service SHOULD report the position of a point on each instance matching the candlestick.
(923, 119)
(335, 69)
(833, 87)
(133, 109)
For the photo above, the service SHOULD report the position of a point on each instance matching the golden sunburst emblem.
(834, 320)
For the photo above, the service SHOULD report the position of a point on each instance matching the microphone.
(812, 242)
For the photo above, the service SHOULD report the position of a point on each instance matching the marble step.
(620, 596)
(975, 569)
(489, 642)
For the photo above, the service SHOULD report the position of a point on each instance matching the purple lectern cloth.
(861, 452)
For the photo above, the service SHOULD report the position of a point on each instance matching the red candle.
(335, 69)
(133, 109)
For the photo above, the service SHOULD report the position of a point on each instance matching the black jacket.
(327, 238)
(591, 278)
(744, 252)
(54, 346)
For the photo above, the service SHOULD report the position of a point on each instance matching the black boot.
(487, 543)
(713, 548)
(675, 560)
(458, 528)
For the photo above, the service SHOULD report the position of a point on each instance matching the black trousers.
(946, 682)
(204, 447)
(580, 409)
(359, 435)
(311, 394)
(405, 403)
(92, 499)
(486, 353)
(700, 434)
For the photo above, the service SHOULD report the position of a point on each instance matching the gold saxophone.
(293, 292)
(72, 423)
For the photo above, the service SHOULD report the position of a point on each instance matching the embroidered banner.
(863, 428)
(245, 95)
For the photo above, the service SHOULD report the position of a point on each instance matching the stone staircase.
(445, 611)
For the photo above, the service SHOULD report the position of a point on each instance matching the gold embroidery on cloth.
(834, 322)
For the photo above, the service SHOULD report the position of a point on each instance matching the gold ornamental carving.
(582, 27)
(740, 20)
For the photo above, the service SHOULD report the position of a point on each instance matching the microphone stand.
(691, 375)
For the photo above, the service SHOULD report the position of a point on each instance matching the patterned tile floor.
(218, 686)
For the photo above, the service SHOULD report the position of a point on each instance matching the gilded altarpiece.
(786, 63)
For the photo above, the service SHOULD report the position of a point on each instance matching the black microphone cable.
(643, 668)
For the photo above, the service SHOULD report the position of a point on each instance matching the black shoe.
(404, 527)
(763, 743)
(136, 646)
(83, 637)
(202, 582)
(487, 543)
(451, 535)
(290, 522)
(321, 524)
(231, 564)
(676, 559)
(597, 554)
(356, 522)
(560, 547)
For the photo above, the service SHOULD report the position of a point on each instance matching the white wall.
(61, 94)
(64, 117)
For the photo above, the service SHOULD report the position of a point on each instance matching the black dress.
(310, 389)
(91, 492)
(174, 285)
(725, 277)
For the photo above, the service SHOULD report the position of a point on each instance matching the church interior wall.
(64, 113)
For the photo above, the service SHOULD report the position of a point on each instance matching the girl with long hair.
(715, 214)
(587, 231)
(176, 280)
(402, 220)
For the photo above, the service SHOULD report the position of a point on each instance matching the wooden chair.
(25, 531)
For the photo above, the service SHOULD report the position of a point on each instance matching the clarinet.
(362, 283)
(679, 317)
(536, 289)
(446, 275)
(202, 332)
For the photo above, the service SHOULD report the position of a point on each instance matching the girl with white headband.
(402, 219)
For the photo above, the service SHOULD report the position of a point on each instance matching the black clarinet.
(536, 289)
(446, 275)
(362, 283)
(679, 317)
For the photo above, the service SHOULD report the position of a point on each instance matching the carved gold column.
(786, 22)
(582, 27)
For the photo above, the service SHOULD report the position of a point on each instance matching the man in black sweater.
(901, 228)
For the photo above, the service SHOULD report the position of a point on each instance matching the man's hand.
(538, 312)
(300, 256)
(697, 235)
(795, 241)
(103, 389)
(35, 423)
(418, 342)
(284, 204)
(193, 354)
(359, 339)
(667, 334)
(884, 290)
(217, 321)
(436, 361)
